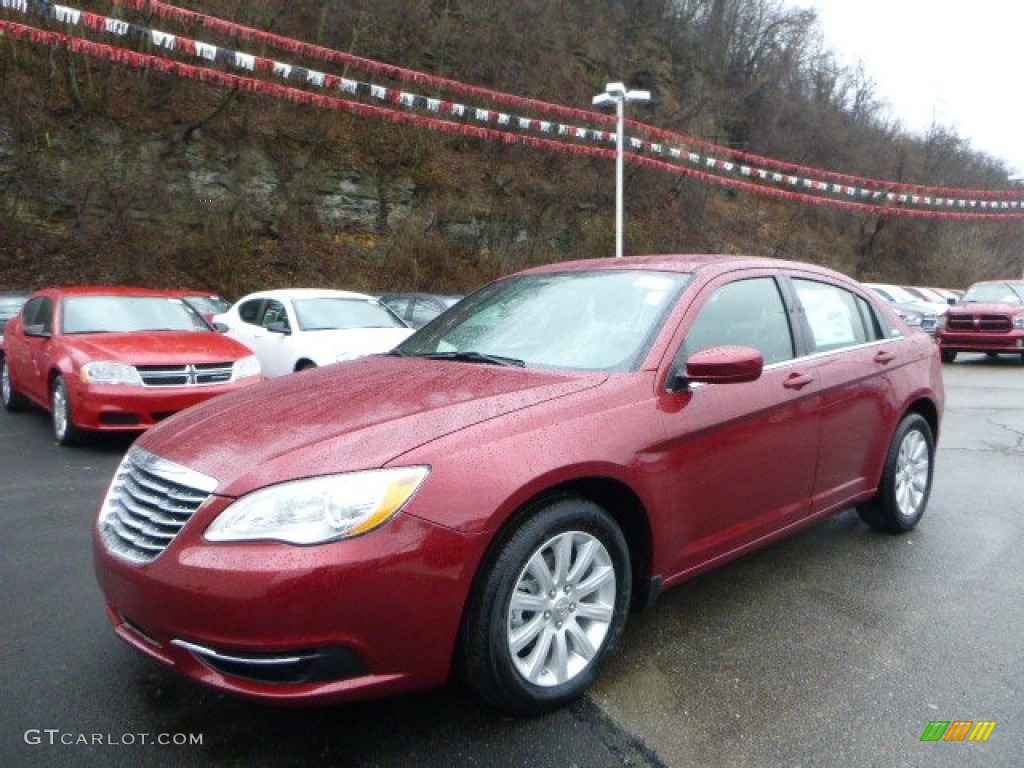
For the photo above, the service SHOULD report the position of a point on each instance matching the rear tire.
(64, 429)
(13, 399)
(548, 608)
(906, 479)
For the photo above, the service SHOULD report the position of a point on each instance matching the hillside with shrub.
(117, 175)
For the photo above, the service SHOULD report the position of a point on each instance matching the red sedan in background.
(103, 358)
(498, 492)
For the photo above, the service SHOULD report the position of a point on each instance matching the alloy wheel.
(912, 470)
(60, 411)
(561, 608)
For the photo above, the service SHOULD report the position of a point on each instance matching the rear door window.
(837, 318)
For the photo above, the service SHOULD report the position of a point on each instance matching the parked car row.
(987, 318)
(915, 307)
(418, 309)
(120, 359)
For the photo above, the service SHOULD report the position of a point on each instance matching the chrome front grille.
(149, 501)
(185, 375)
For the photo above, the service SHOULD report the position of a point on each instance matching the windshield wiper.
(469, 356)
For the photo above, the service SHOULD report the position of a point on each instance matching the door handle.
(885, 357)
(797, 381)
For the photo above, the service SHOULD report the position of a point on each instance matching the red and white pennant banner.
(752, 173)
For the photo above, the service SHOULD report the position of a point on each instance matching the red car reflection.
(495, 495)
(115, 359)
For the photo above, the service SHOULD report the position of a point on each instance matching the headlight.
(1019, 323)
(101, 372)
(319, 509)
(245, 368)
(911, 318)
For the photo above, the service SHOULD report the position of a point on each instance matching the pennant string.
(759, 174)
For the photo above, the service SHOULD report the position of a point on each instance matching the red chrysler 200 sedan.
(495, 495)
(110, 359)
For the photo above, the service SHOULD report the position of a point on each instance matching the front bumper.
(107, 407)
(1004, 341)
(369, 616)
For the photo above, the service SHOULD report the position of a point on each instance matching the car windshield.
(602, 320)
(895, 293)
(208, 305)
(994, 293)
(127, 314)
(330, 313)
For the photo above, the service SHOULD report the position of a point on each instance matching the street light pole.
(616, 93)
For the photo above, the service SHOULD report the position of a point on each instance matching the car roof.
(686, 263)
(186, 292)
(108, 290)
(417, 295)
(307, 293)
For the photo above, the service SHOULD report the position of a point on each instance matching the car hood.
(158, 347)
(987, 308)
(357, 415)
(357, 341)
(931, 308)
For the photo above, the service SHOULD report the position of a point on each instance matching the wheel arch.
(614, 497)
(52, 375)
(927, 409)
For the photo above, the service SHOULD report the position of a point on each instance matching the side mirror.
(720, 365)
(280, 326)
(38, 330)
(951, 301)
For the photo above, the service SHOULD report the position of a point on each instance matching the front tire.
(64, 429)
(906, 480)
(13, 400)
(548, 609)
(948, 355)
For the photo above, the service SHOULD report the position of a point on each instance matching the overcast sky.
(955, 63)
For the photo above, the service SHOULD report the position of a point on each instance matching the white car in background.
(298, 328)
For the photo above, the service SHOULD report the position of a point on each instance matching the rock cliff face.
(79, 177)
(121, 204)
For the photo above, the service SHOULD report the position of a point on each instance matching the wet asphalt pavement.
(835, 647)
